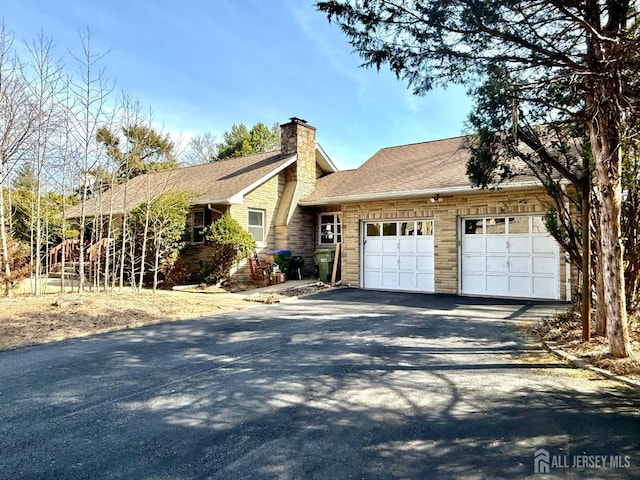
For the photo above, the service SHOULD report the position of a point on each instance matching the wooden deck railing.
(69, 250)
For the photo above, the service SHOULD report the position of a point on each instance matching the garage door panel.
(495, 244)
(389, 262)
(473, 244)
(543, 287)
(473, 264)
(407, 262)
(516, 263)
(519, 264)
(520, 285)
(543, 244)
(519, 244)
(424, 245)
(389, 245)
(407, 245)
(373, 279)
(389, 279)
(407, 281)
(425, 282)
(497, 282)
(473, 283)
(495, 264)
(424, 264)
(544, 265)
(373, 262)
(373, 245)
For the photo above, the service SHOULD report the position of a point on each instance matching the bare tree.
(200, 149)
(46, 84)
(90, 92)
(16, 129)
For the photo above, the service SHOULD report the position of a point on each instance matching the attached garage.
(510, 256)
(412, 221)
(398, 255)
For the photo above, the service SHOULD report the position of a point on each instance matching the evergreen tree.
(571, 62)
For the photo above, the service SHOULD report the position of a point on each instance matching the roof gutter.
(414, 193)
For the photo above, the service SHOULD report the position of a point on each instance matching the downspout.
(209, 207)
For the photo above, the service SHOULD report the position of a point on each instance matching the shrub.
(175, 273)
(230, 243)
(18, 261)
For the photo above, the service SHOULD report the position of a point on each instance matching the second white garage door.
(398, 255)
(509, 257)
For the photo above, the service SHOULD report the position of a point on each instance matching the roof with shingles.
(215, 182)
(437, 166)
(422, 166)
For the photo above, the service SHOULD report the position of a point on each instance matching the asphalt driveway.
(342, 384)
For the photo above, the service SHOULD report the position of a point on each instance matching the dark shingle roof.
(417, 169)
(423, 166)
(214, 182)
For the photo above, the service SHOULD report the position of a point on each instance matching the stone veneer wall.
(299, 234)
(446, 215)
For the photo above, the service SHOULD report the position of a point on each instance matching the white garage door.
(398, 255)
(509, 257)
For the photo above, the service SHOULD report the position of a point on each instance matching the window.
(389, 229)
(473, 227)
(197, 225)
(373, 229)
(425, 227)
(407, 229)
(538, 225)
(518, 225)
(330, 228)
(255, 224)
(495, 226)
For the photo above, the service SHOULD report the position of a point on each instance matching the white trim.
(337, 220)
(362, 240)
(324, 158)
(238, 197)
(192, 215)
(263, 214)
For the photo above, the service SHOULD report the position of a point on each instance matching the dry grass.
(30, 320)
(566, 331)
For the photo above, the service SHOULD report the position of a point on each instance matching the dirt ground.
(30, 320)
(566, 332)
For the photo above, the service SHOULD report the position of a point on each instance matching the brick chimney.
(299, 138)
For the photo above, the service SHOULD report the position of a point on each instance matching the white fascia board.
(328, 163)
(238, 198)
(367, 197)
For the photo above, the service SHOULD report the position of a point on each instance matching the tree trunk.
(600, 313)
(586, 258)
(3, 234)
(156, 265)
(605, 147)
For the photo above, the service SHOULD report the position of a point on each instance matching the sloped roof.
(220, 182)
(418, 169)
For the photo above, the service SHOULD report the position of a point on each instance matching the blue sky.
(202, 66)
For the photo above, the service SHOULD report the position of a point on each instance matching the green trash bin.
(323, 259)
(282, 258)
